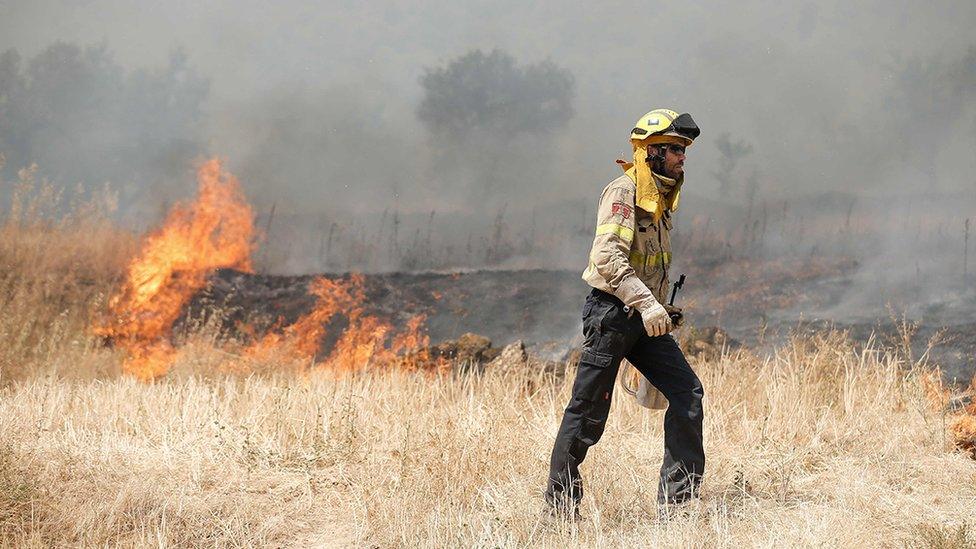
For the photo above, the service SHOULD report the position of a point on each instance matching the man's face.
(674, 160)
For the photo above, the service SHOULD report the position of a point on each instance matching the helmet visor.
(685, 126)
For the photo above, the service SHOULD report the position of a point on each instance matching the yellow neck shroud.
(649, 197)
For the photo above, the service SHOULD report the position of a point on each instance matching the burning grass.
(216, 231)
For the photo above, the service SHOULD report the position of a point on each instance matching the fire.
(963, 429)
(217, 231)
(962, 423)
(367, 340)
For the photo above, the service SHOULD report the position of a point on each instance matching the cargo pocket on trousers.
(589, 433)
(587, 308)
(593, 377)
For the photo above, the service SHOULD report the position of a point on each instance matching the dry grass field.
(820, 445)
(824, 443)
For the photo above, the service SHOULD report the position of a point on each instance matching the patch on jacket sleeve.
(624, 210)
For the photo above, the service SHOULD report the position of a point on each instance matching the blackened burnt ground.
(756, 304)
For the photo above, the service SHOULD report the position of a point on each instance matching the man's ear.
(654, 152)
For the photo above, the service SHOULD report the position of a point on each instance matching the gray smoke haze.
(824, 112)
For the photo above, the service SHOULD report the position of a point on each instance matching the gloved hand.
(656, 319)
(677, 317)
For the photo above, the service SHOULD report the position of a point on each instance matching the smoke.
(480, 134)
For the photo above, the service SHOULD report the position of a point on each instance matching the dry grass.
(821, 444)
(60, 258)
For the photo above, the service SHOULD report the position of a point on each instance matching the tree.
(491, 121)
(82, 117)
(480, 93)
(13, 88)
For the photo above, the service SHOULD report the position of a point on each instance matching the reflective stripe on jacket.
(631, 253)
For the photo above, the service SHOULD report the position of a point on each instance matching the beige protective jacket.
(630, 257)
(631, 252)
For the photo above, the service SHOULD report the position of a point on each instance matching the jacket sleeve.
(610, 254)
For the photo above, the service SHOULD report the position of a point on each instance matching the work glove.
(656, 319)
(677, 317)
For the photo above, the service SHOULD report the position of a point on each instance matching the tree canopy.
(481, 93)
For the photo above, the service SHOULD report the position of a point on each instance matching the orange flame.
(217, 231)
(962, 423)
(963, 429)
(367, 341)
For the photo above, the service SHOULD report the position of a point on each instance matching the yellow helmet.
(665, 126)
(655, 127)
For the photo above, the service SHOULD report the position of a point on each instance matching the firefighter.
(624, 317)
